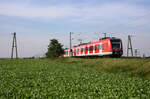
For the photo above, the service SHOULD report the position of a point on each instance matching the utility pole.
(80, 40)
(143, 55)
(129, 46)
(70, 40)
(70, 44)
(137, 52)
(105, 34)
(14, 45)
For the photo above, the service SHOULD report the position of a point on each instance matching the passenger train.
(109, 46)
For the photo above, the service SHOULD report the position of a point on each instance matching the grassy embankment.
(129, 67)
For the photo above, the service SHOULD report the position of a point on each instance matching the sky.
(38, 21)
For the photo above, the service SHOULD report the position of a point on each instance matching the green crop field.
(75, 78)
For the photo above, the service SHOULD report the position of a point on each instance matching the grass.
(129, 67)
(74, 78)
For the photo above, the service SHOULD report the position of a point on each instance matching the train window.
(116, 44)
(81, 49)
(99, 47)
(91, 48)
(102, 46)
(95, 47)
(86, 49)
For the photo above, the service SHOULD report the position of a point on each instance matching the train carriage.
(104, 47)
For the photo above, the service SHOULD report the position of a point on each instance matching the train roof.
(111, 38)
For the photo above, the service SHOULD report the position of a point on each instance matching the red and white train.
(104, 47)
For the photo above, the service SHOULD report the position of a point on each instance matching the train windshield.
(116, 44)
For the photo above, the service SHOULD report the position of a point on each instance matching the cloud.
(32, 12)
(101, 14)
(74, 12)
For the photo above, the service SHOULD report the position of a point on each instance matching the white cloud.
(107, 14)
(74, 12)
(23, 10)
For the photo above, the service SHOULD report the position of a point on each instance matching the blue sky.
(37, 21)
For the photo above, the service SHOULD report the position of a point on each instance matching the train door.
(81, 51)
(86, 50)
(74, 52)
(91, 49)
(105, 46)
(101, 48)
(97, 48)
(77, 51)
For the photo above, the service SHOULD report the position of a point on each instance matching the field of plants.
(74, 78)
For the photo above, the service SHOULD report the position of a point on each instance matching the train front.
(117, 48)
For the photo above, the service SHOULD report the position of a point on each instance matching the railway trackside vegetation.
(124, 66)
(54, 49)
(112, 78)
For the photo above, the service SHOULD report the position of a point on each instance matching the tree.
(54, 49)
